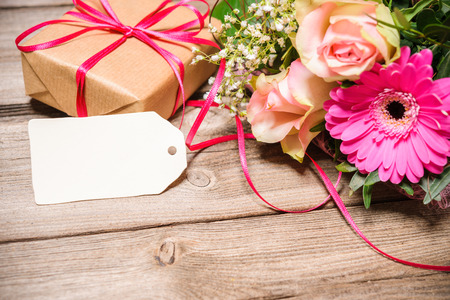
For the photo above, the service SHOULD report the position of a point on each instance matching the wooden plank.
(34, 3)
(12, 23)
(212, 188)
(314, 255)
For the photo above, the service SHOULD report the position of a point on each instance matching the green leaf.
(440, 182)
(443, 67)
(319, 127)
(426, 17)
(346, 167)
(372, 178)
(424, 184)
(437, 31)
(411, 12)
(406, 186)
(337, 149)
(357, 181)
(367, 195)
(400, 4)
(444, 6)
(223, 8)
(401, 18)
(347, 83)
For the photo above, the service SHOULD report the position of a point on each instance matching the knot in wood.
(198, 178)
(166, 255)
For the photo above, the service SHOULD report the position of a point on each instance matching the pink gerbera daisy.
(394, 120)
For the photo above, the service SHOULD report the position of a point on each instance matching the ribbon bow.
(93, 19)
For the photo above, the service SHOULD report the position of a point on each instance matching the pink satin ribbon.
(241, 136)
(109, 22)
(92, 19)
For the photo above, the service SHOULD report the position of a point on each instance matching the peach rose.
(284, 107)
(337, 40)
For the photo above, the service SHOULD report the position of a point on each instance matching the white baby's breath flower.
(195, 50)
(215, 57)
(211, 80)
(278, 26)
(223, 53)
(267, 8)
(230, 63)
(251, 56)
(244, 24)
(265, 38)
(233, 110)
(272, 58)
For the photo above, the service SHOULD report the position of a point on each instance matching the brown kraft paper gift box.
(132, 78)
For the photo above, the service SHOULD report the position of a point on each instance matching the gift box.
(133, 78)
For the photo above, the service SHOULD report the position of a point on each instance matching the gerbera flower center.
(394, 112)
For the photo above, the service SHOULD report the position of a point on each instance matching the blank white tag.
(104, 157)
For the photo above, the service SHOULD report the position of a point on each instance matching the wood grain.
(52, 3)
(261, 257)
(33, 4)
(207, 236)
(12, 23)
(212, 188)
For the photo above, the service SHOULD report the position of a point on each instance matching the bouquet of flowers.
(367, 81)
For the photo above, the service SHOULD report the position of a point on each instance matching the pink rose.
(337, 40)
(284, 107)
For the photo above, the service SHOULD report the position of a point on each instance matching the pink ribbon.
(92, 19)
(241, 136)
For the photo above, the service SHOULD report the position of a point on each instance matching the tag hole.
(172, 150)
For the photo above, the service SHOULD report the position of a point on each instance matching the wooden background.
(208, 235)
